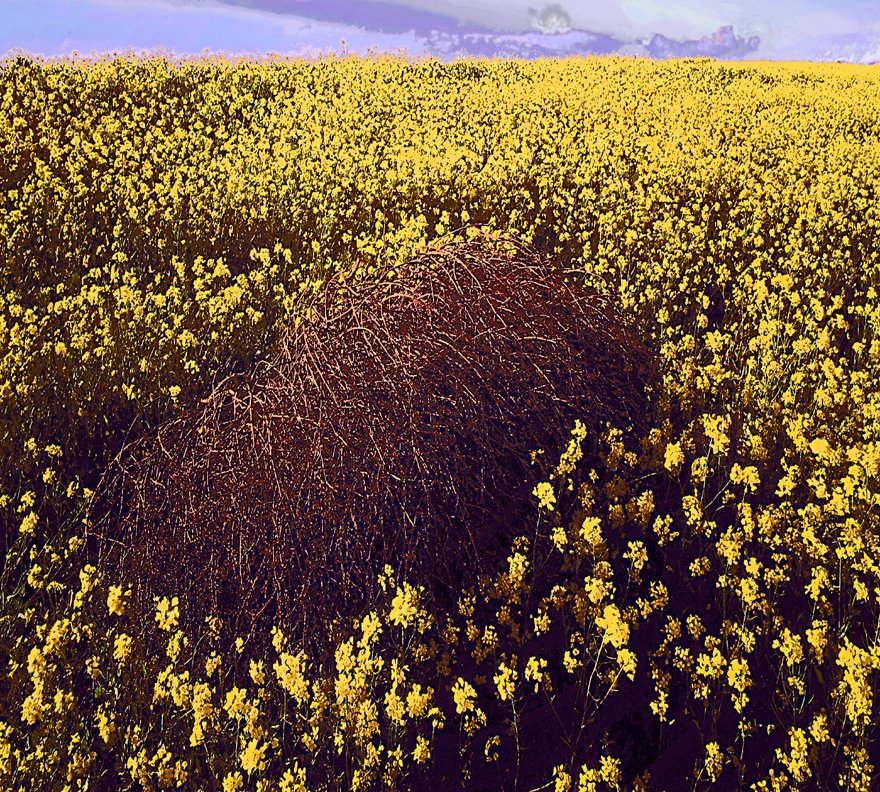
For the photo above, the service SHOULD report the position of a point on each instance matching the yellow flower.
(93, 666)
(562, 780)
(821, 448)
(817, 638)
(116, 600)
(716, 427)
(519, 565)
(212, 664)
(278, 639)
(615, 629)
(394, 707)
(544, 493)
(464, 695)
(34, 578)
(674, 457)
(790, 646)
(660, 706)
(591, 530)
(855, 687)
(819, 728)
(699, 470)
(290, 672)
(714, 760)
(201, 701)
(214, 624)
(609, 770)
(257, 672)
(699, 566)
(505, 680)
(541, 622)
(167, 613)
(236, 702)
(253, 757)
(710, 666)
(637, 554)
(796, 761)
(559, 538)
(535, 669)
(491, 748)
(386, 578)
(138, 767)
(371, 629)
(175, 643)
(738, 674)
(27, 500)
(63, 701)
(121, 648)
(106, 726)
(367, 722)
(818, 582)
(294, 779)
(747, 476)
(417, 702)
(422, 751)
(627, 662)
(33, 707)
(404, 606)
(29, 523)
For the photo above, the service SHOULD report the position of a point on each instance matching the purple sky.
(815, 30)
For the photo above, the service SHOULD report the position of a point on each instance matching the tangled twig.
(393, 426)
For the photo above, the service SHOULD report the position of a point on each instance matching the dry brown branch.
(394, 426)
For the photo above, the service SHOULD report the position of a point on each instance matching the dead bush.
(394, 426)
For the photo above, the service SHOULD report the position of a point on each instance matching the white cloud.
(782, 25)
(827, 23)
(680, 18)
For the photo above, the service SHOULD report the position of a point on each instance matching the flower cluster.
(720, 571)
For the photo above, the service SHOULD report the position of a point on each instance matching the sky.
(799, 30)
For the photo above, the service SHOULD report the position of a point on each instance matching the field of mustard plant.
(696, 607)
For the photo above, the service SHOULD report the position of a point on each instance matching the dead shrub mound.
(394, 427)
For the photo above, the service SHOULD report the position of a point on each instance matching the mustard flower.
(294, 779)
(253, 757)
(28, 524)
(535, 670)
(122, 648)
(417, 701)
(615, 629)
(236, 702)
(106, 725)
(491, 748)
(116, 600)
(404, 606)
(714, 761)
(167, 613)
(673, 458)
(505, 680)
(545, 495)
(394, 706)
(464, 695)
(257, 672)
(212, 664)
(290, 672)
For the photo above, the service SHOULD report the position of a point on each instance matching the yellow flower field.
(695, 607)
